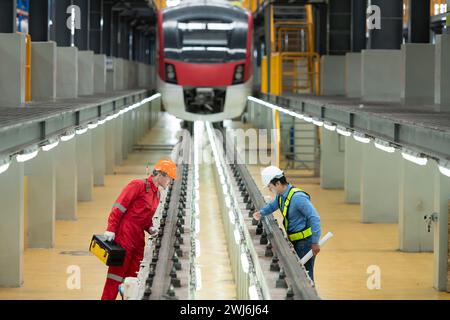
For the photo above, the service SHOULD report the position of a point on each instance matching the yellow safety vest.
(284, 210)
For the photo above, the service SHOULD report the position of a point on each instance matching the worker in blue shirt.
(300, 218)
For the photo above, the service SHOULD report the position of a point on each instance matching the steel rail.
(161, 282)
(302, 285)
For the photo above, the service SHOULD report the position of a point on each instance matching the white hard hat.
(269, 173)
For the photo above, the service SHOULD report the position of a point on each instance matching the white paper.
(322, 241)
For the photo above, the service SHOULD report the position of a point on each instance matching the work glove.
(153, 232)
(109, 235)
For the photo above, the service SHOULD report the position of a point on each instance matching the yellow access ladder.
(294, 64)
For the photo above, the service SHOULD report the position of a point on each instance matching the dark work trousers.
(302, 247)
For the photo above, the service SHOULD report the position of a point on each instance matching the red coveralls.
(130, 216)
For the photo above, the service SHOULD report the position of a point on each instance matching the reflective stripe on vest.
(284, 210)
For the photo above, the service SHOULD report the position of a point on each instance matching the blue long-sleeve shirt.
(301, 214)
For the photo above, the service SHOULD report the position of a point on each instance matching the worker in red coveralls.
(130, 216)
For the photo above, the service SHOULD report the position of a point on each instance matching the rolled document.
(322, 241)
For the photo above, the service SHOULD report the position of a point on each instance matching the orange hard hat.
(167, 166)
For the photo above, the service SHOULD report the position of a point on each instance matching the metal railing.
(300, 72)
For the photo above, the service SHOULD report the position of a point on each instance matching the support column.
(415, 201)
(41, 200)
(43, 71)
(67, 72)
(128, 133)
(148, 117)
(332, 75)
(99, 155)
(126, 74)
(442, 71)
(141, 122)
(125, 132)
(332, 160)
(11, 226)
(85, 73)
(380, 77)
(12, 69)
(118, 155)
(352, 171)
(379, 185)
(441, 229)
(85, 168)
(118, 82)
(353, 75)
(142, 76)
(66, 180)
(110, 147)
(134, 121)
(110, 77)
(417, 73)
(99, 73)
(151, 77)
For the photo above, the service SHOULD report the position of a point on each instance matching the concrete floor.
(341, 267)
(214, 262)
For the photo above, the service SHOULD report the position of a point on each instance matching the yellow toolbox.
(109, 252)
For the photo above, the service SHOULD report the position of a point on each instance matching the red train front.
(204, 61)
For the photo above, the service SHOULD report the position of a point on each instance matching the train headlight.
(238, 74)
(170, 73)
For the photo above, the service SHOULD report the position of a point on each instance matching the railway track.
(168, 269)
(268, 268)
(264, 263)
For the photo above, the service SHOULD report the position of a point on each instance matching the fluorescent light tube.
(67, 136)
(27, 155)
(329, 126)
(343, 131)
(80, 131)
(444, 168)
(93, 125)
(360, 137)
(198, 278)
(50, 145)
(244, 262)
(237, 236)
(414, 157)
(253, 293)
(197, 226)
(4, 166)
(299, 116)
(231, 216)
(383, 145)
(307, 118)
(318, 122)
(197, 248)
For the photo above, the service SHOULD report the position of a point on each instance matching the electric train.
(204, 54)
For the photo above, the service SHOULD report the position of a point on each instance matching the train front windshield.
(205, 40)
